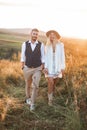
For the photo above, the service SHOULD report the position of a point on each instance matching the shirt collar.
(36, 42)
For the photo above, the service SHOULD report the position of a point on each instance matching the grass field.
(70, 103)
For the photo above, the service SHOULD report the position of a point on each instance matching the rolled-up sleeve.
(23, 52)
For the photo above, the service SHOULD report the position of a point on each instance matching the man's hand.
(42, 66)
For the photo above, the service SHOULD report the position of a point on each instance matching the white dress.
(55, 62)
(53, 74)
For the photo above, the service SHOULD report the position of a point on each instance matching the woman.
(54, 61)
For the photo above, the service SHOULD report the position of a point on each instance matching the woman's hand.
(45, 71)
(62, 72)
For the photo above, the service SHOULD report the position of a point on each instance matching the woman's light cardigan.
(59, 58)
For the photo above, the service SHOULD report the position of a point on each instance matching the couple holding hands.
(37, 57)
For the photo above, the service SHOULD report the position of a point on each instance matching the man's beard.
(34, 38)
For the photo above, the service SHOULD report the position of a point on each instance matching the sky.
(68, 17)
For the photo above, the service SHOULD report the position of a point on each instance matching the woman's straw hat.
(53, 31)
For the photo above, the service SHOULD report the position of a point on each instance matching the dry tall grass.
(70, 109)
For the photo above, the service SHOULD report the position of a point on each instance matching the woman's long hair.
(48, 43)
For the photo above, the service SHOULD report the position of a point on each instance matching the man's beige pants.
(32, 78)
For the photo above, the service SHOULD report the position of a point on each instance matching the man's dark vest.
(33, 58)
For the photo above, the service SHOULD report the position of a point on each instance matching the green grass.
(9, 44)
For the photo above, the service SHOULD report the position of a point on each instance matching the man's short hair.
(35, 29)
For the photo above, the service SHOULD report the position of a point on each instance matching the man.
(32, 62)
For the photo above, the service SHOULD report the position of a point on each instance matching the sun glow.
(68, 17)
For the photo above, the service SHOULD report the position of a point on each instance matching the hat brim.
(53, 31)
